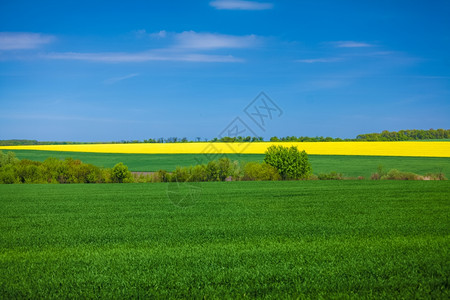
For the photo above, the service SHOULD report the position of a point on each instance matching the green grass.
(348, 165)
(276, 240)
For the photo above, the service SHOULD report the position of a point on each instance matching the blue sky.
(124, 70)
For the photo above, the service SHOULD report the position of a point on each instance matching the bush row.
(219, 170)
(395, 174)
(53, 170)
(280, 163)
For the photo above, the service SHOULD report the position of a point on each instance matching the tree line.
(406, 135)
(402, 135)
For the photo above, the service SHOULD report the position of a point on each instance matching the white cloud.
(143, 33)
(194, 40)
(209, 58)
(350, 44)
(160, 34)
(117, 79)
(240, 5)
(23, 40)
(122, 57)
(180, 47)
(319, 60)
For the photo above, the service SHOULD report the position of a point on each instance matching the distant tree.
(227, 139)
(18, 142)
(173, 139)
(274, 139)
(290, 162)
(406, 135)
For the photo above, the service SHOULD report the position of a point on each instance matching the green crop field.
(348, 165)
(306, 239)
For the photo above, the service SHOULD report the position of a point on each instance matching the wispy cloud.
(117, 79)
(23, 40)
(187, 46)
(319, 60)
(240, 5)
(143, 33)
(160, 34)
(202, 40)
(123, 57)
(182, 47)
(350, 44)
(194, 40)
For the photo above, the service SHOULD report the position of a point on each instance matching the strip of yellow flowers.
(430, 149)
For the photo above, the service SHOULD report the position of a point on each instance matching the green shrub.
(395, 174)
(92, 174)
(330, 176)
(290, 162)
(198, 173)
(260, 172)
(313, 177)
(435, 176)
(8, 159)
(29, 171)
(212, 171)
(181, 174)
(121, 174)
(237, 171)
(162, 176)
(8, 175)
(54, 170)
(142, 178)
(225, 168)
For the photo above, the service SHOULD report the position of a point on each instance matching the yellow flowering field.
(431, 149)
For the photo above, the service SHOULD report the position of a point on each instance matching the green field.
(375, 239)
(348, 165)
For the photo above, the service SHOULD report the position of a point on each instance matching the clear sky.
(124, 70)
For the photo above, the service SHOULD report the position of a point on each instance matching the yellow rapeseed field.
(431, 149)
